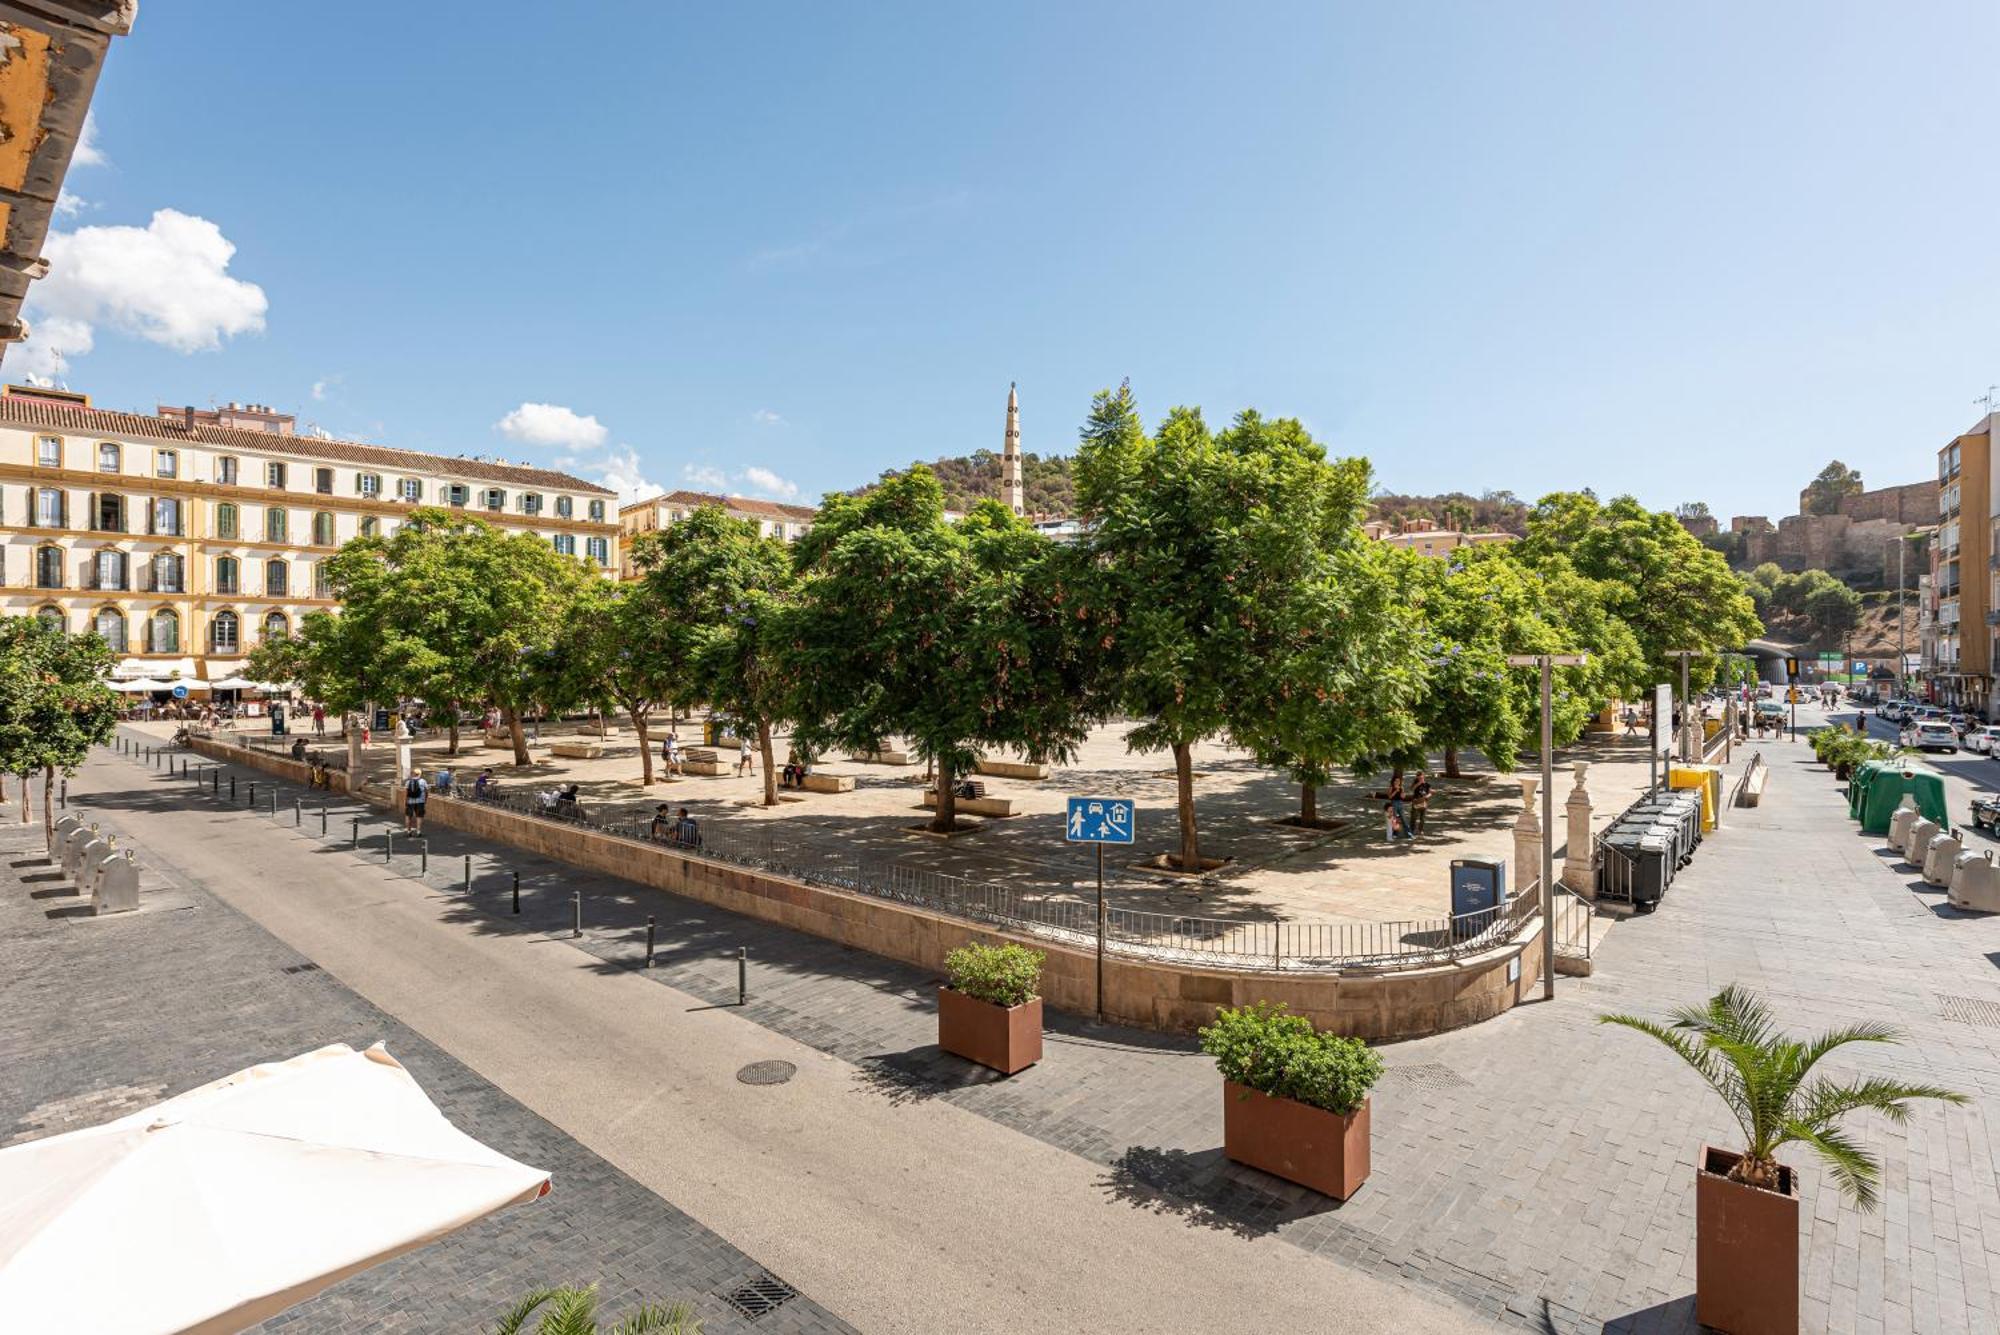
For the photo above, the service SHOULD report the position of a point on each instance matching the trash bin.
(381, 720)
(1640, 871)
(277, 719)
(1479, 889)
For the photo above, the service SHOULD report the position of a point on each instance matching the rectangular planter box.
(1746, 1250)
(1006, 1038)
(1296, 1141)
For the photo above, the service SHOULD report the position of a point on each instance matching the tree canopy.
(54, 705)
(1834, 484)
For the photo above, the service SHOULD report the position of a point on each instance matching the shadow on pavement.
(1203, 1189)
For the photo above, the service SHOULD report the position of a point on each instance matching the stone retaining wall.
(1150, 994)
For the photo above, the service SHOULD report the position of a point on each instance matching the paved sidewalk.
(1535, 1168)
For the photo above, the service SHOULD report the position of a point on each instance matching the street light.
(1687, 713)
(1548, 663)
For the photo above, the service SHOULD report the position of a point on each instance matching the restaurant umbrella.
(226, 1205)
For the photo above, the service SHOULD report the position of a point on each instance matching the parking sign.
(1100, 820)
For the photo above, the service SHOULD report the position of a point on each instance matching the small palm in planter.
(1294, 1100)
(573, 1311)
(1747, 1204)
(990, 1008)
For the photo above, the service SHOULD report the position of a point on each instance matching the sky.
(1687, 251)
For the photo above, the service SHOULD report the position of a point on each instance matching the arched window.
(277, 579)
(225, 574)
(110, 570)
(275, 626)
(274, 523)
(323, 529)
(51, 508)
(167, 573)
(322, 586)
(163, 632)
(108, 515)
(107, 457)
(52, 615)
(48, 568)
(370, 527)
(164, 517)
(225, 520)
(110, 624)
(222, 633)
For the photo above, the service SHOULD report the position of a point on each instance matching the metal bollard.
(252, 803)
(423, 859)
(232, 790)
(649, 940)
(357, 833)
(298, 812)
(468, 873)
(388, 844)
(322, 820)
(576, 913)
(742, 974)
(65, 793)
(274, 801)
(214, 778)
(517, 892)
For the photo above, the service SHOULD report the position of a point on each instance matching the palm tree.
(1762, 1076)
(573, 1311)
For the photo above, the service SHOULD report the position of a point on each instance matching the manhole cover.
(766, 1293)
(767, 1073)
(1970, 1010)
(1430, 1075)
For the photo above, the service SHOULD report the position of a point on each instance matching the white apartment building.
(773, 519)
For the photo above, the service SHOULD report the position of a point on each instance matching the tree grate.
(1433, 1076)
(767, 1073)
(1969, 1010)
(763, 1295)
(300, 968)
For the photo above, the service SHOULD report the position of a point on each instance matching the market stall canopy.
(226, 1205)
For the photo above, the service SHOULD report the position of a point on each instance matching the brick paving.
(103, 1016)
(1535, 1168)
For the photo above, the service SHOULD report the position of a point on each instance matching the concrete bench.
(577, 750)
(1013, 769)
(975, 806)
(1753, 787)
(882, 757)
(701, 760)
(593, 730)
(828, 783)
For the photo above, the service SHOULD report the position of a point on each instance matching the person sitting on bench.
(795, 772)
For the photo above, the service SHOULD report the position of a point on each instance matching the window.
(167, 573)
(531, 503)
(455, 494)
(163, 632)
(51, 615)
(368, 484)
(599, 550)
(107, 457)
(274, 524)
(110, 570)
(323, 481)
(225, 574)
(48, 451)
(225, 520)
(322, 586)
(565, 506)
(48, 567)
(410, 489)
(49, 509)
(110, 624)
(225, 469)
(597, 511)
(323, 529)
(277, 579)
(565, 543)
(222, 633)
(166, 463)
(275, 626)
(274, 474)
(108, 516)
(165, 517)
(496, 499)
(370, 527)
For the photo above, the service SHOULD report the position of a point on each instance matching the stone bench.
(975, 806)
(828, 783)
(577, 750)
(702, 760)
(1753, 787)
(592, 730)
(882, 757)
(1013, 769)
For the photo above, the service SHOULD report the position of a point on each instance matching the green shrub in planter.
(1006, 975)
(1273, 1052)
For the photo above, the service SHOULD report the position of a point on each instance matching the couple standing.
(1406, 807)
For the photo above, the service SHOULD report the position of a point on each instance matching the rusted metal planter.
(1296, 1141)
(1006, 1038)
(1746, 1250)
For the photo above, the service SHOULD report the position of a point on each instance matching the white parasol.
(138, 685)
(226, 1205)
(235, 683)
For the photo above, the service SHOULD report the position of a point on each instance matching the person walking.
(319, 720)
(670, 751)
(745, 763)
(1420, 803)
(415, 793)
(1395, 818)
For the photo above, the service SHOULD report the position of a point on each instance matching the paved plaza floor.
(1533, 1170)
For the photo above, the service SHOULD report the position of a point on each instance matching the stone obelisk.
(1012, 493)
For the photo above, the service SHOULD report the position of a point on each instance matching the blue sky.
(1688, 251)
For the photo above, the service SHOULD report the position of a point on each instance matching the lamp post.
(1548, 663)
(1688, 756)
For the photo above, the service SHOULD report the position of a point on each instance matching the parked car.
(1986, 812)
(1982, 739)
(1931, 735)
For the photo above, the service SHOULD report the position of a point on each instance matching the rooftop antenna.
(1989, 398)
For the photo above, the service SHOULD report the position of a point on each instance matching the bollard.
(274, 801)
(388, 844)
(252, 803)
(214, 778)
(742, 974)
(322, 820)
(424, 858)
(468, 873)
(298, 812)
(649, 940)
(65, 794)
(232, 790)
(576, 913)
(357, 832)
(517, 892)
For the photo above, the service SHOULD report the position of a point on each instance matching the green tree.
(54, 705)
(960, 637)
(617, 655)
(1835, 483)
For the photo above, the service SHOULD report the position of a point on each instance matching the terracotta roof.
(742, 505)
(21, 410)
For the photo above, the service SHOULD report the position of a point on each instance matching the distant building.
(773, 519)
(1857, 542)
(1702, 526)
(1958, 651)
(1425, 537)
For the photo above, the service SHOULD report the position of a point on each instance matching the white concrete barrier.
(66, 822)
(1975, 883)
(117, 888)
(1900, 821)
(1941, 858)
(1918, 841)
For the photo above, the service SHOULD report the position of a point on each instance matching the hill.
(1492, 512)
(1046, 484)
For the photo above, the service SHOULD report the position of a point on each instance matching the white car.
(1931, 736)
(1982, 739)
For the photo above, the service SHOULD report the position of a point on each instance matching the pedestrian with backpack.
(415, 793)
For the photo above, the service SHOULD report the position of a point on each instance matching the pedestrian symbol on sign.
(1100, 820)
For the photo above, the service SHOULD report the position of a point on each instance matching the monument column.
(1580, 856)
(1012, 493)
(1527, 837)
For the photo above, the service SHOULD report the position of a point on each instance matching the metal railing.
(1573, 915)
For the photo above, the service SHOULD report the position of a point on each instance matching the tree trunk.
(513, 721)
(26, 803)
(1308, 804)
(770, 771)
(48, 804)
(1451, 763)
(638, 713)
(1190, 859)
(947, 799)
(451, 734)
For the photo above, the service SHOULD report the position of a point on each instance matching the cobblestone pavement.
(1535, 1168)
(101, 1016)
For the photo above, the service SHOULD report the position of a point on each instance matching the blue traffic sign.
(1100, 820)
(180, 692)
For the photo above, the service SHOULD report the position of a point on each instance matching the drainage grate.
(1969, 1010)
(300, 968)
(767, 1073)
(1432, 1076)
(764, 1294)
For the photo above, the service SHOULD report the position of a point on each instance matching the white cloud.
(322, 388)
(552, 424)
(617, 468)
(768, 482)
(88, 153)
(703, 475)
(167, 282)
(69, 205)
(765, 417)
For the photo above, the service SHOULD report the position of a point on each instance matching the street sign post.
(1100, 821)
(1548, 663)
